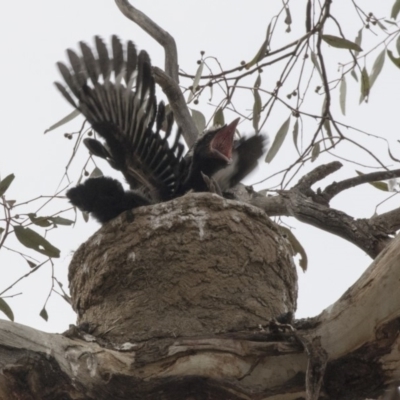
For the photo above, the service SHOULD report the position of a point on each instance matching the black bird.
(116, 94)
(105, 198)
(212, 152)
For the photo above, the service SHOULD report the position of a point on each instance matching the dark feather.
(124, 115)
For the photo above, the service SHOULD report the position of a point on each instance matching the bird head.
(214, 149)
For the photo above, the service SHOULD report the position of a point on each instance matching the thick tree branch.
(390, 219)
(168, 80)
(301, 202)
(157, 33)
(357, 336)
(337, 187)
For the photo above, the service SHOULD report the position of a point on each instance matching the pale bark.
(359, 334)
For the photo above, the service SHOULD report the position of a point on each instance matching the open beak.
(222, 143)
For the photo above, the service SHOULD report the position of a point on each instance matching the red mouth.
(222, 143)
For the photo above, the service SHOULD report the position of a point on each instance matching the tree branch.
(357, 336)
(168, 80)
(157, 33)
(337, 187)
(301, 202)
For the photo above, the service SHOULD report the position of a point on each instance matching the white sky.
(34, 36)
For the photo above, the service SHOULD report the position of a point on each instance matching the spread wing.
(116, 94)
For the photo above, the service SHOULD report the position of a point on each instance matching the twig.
(337, 187)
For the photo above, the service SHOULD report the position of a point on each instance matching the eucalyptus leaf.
(279, 139)
(327, 126)
(354, 75)
(341, 43)
(398, 44)
(219, 117)
(196, 81)
(44, 314)
(314, 60)
(256, 109)
(377, 184)
(377, 67)
(358, 41)
(31, 264)
(296, 134)
(5, 308)
(296, 246)
(395, 60)
(199, 120)
(61, 221)
(395, 9)
(262, 51)
(315, 152)
(33, 240)
(5, 183)
(96, 173)
(365, 85)
(342, 94)
(63, 121)
(40, 221)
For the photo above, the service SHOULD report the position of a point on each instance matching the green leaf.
(5, 183)
(315, 152)
(342, 94)
(96, 173)
(383, 27)
(391, 22)
(219, 117)
(377, 184)
(256, 109)
(31, 264)
(358, 41)
(44, 314)
(398, 44)
(380, 185)
(64, 120)
(396, 61)
(377, 67)
(257, 83)
(341, 43)
(261, 53)
(196, 81)
(33, 240)
(296, 134)
(5, 308)
(61, 221)
(354, 75)
(327, 126)
(1, 232)
(365, 86)
(395, 9)
(296, 246)
(40, 221)
(199, 120)
(314, 60)
(279, 139)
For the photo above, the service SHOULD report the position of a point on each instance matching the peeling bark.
(357, 337)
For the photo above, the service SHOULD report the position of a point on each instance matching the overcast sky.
(34, 36)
